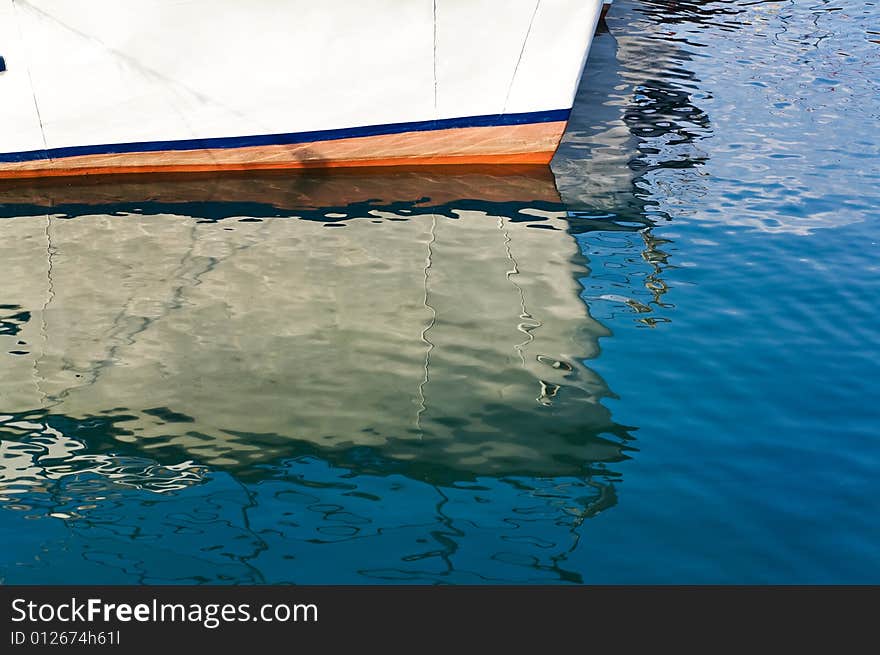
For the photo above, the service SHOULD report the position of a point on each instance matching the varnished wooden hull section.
(506, 144)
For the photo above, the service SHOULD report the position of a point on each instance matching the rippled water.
(656, 364)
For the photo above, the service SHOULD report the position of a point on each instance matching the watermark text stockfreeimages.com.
(208, 615)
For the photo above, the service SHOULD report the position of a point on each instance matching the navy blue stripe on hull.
(492, 120)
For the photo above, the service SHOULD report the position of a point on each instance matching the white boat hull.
(156, 85)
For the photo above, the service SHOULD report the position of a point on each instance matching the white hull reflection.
(441, 336)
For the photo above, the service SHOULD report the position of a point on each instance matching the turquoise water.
(657, 364)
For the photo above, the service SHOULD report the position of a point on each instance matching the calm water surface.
(657, 363)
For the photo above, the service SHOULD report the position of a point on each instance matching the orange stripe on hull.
(514, 144)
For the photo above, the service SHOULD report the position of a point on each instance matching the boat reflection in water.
(345, 371)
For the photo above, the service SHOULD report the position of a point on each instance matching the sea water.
(658, 364)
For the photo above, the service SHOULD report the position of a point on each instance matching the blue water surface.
(657, 365)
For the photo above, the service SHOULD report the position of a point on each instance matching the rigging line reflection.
(424, 336)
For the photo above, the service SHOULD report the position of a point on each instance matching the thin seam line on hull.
(491, 120)
(519, 58)
(435, 57)
(17, 20)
